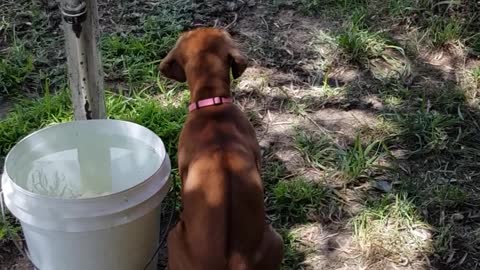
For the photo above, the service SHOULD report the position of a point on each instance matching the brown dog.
(222, 226)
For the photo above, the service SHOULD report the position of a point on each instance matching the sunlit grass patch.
(390, 229)
(135, 58)
(359, 43)
(383, 130)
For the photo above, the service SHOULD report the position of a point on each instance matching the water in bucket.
(118, 164)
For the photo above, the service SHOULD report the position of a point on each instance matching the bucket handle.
(17, 242)
(2, 207)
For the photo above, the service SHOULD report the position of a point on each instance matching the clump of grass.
(448, 196)
(450, 100)
(135, 58)
(8, 229)
(427, 130)
(311, 6)
(30, 115)
(401, 7)
(382, 131)
(15, 67)
(443, 31)
(292, 201)
(395, 95)
(474, 43)
(475, 74)
(318, 150)
(443, 239)
(344, 6)
(164, 119)
(359, 43)
(273, 171)
(293, 255)
(390, 229)
(358, 160)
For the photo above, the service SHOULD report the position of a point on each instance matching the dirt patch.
(11, 259)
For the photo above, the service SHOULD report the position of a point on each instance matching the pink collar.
(208, 102)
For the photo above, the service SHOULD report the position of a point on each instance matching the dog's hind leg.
(270, 253)
(177, 257)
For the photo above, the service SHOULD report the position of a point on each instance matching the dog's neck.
(208, 78)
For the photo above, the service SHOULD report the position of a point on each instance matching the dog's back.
(222, 226)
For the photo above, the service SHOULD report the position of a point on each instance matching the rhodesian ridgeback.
(223, 223)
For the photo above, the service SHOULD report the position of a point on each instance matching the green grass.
(294, 200)
(401, 8)
(34, 51)
(16, 64)
(475, 73)
(444, 31)
(30, 115)
(8, 230)
(359, 43)
(448, 196)
(382, 131)
(135, 58)
(354, 162)
(35, 48)
(427, 131)
(293, 256)
(358, 161)
(274, 171)
(332, 6)
(474, 43)
(317, 149)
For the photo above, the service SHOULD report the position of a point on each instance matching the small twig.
(322, 129)
(266, 24)
(232, 23)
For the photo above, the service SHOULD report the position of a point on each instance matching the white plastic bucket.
(88, 194)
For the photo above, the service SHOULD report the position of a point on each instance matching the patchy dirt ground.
(294, 66)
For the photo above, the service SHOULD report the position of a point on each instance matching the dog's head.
(195, 46)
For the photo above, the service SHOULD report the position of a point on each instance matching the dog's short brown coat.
(223, 224)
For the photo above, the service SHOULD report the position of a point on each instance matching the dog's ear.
(171, 68)
(239, 62)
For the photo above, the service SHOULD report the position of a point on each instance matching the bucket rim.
(79, 200)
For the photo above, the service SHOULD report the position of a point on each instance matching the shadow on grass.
(434, 172)
(434, 142)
